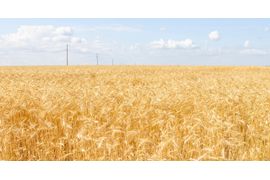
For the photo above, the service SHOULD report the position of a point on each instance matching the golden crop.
(134, 113)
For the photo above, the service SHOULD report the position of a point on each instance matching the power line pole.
(97, 58)
(112, 62)
(67, 55)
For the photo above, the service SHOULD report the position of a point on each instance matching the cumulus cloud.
(173, 44)
(162, 28)
(247, 44)
(117, 28)
(253, 52)
(214, 36)
(135, 46)
(40, 38)
(248, 50)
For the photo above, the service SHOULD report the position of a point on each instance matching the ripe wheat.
(134, 113)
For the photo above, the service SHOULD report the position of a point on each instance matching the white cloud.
(94, 46)
(267, 29)
(162, 28)
(117, 28)
(214, 36)
(253, 52)
(40, 38)
(135, 46)
(173, 44)
(247, 44)
(248, 50)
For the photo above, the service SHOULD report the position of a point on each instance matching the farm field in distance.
(134, 113)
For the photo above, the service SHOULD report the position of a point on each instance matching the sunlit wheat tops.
(134, 113)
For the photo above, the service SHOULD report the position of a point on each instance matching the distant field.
(134, 113)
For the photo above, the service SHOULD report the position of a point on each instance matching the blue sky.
(135, 41)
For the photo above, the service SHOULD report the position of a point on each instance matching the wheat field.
(134, 113)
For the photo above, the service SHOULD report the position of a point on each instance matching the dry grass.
(134, 113)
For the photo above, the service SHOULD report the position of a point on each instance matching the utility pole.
(67, 55)
(112, 62)
(97, 58)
